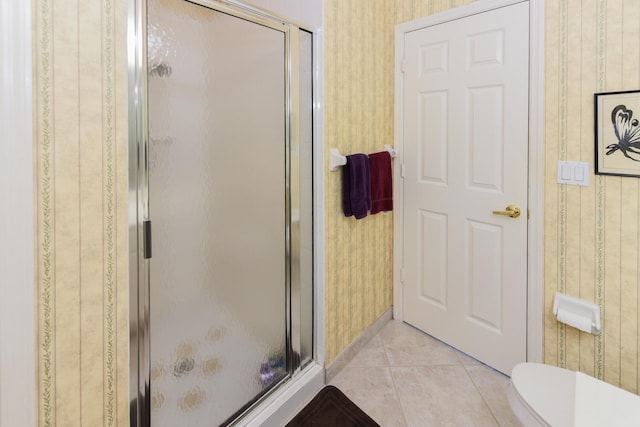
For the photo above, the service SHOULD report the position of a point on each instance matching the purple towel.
(356, 186)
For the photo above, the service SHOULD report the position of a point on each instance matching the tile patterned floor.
(405, 378)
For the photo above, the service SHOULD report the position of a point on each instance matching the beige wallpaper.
(358, 119)
(408, 10)
(81, 231)
(592, 234)
(359, 63)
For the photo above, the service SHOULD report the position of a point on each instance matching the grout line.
(459, 362)
(481, 395)
(393, 380)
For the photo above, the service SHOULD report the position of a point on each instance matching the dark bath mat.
(331, 408)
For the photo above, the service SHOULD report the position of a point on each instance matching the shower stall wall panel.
(304, 205)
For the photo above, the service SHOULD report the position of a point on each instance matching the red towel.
(381, 182)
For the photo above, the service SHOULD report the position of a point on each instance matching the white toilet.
(544, 395)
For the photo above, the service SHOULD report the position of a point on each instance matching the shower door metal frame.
(138, 197)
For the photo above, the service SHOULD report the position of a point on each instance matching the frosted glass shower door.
(217, 201)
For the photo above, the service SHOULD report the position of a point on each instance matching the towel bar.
(336, 159)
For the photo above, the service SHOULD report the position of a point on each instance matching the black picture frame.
(617, 133)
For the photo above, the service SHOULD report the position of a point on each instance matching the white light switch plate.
(573, 173)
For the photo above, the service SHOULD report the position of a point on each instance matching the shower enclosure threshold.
(287, 400)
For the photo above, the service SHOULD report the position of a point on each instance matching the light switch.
(573, 173)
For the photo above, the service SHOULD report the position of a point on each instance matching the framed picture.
(617, 133)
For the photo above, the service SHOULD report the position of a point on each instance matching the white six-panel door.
(465, 139)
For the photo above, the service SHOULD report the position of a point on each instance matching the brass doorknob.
(510, 211)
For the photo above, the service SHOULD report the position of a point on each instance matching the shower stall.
(220, 210)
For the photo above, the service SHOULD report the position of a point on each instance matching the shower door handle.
(146, 231)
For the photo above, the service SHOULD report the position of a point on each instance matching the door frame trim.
(19, 399)
(535, 288)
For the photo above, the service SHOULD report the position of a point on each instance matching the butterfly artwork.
(627, 131)
(617, 133)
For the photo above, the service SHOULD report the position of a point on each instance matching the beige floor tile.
(465, 359)
(372, 354)
(398, 332)
(373, 391)
(440, 396)
(420, 355)
(407, 346)
(493, 386)
(404, 377)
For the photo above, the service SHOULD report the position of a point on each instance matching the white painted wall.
(17, 284)
(308, 12)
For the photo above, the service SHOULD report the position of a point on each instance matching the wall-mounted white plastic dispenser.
(577, 313)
